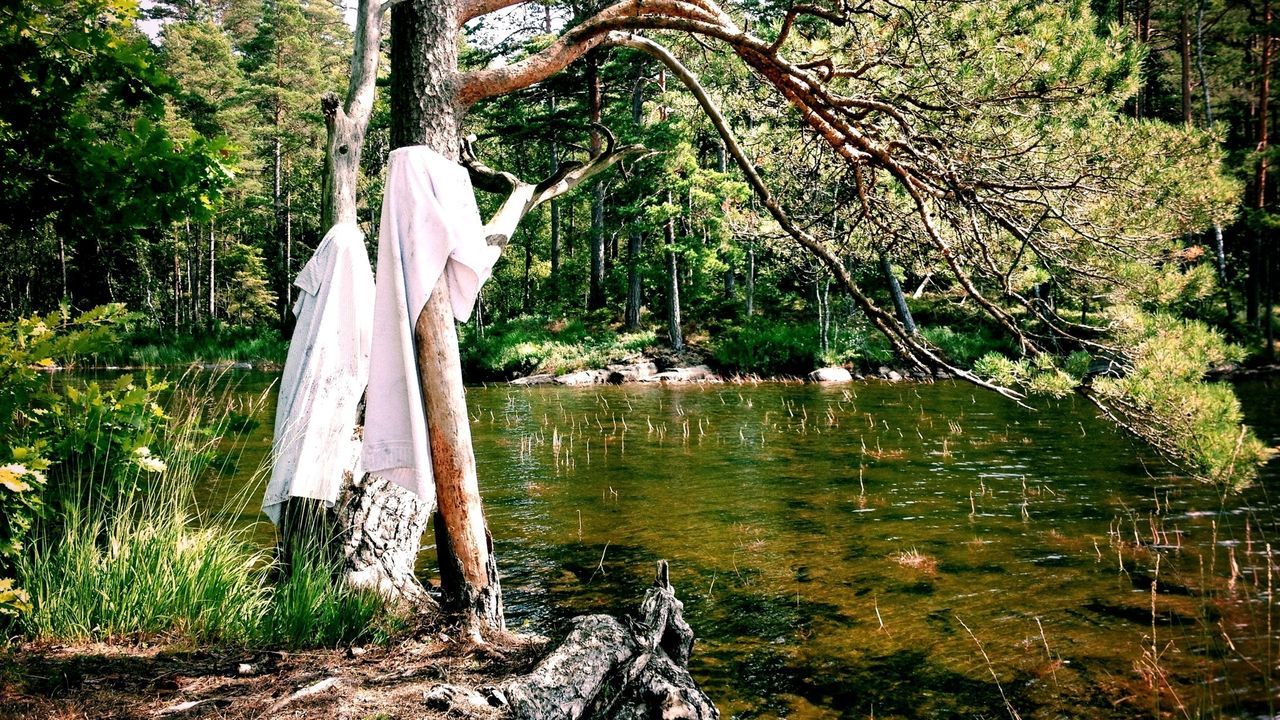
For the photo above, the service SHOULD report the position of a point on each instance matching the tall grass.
(145, 570)
(310, 609)
(148, 562)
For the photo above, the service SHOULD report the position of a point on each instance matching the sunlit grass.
(150, 564)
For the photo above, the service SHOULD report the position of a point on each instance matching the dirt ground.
(51, 682)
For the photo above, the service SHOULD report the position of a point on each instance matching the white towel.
(324, 374)
(430, 225)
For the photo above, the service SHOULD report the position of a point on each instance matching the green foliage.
(31, 433)
(961, 347)
(1040, 375)
(1163, 398)
(531, 344)
(105, 431)
(149, 347)
(89, 171)
(1159, 394)
(765, 348)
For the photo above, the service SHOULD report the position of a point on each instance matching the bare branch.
(523, 196)
(347, 120)
(387, 5)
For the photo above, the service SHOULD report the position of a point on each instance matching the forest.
(1038, 236)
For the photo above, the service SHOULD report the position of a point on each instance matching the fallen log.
(605, 669)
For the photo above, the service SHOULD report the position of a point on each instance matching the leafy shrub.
(531, 344)
(865, 347)
(965, 346)
(766, 348)
(29, 429)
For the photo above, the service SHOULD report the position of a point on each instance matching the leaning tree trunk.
(899, 300)
(424, 111)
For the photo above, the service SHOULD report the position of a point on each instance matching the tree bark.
(634, 239)
(673, 283)
(424, 111)
(1184, 53)
(899, 300)
(634, 248)
(1256, 268)
(212, 268)
(1204, 81)
(607, 668)
(595, 297)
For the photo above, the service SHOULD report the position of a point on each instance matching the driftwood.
(605, 669)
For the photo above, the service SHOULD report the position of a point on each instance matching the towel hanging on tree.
(430, 225)
(325, 374)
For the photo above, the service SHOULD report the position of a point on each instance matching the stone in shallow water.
(696, 373)
(535, 380)
(584, 377)
(830, 375)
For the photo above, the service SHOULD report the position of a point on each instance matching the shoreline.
(647, 371)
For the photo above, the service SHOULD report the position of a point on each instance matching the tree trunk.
(634, 247)
(1184, 52)
(1256, 269)
(528, 265)
(899, 300)
(212, 268)
(1204, 80)
(379, 525)
(424, 61)
(595, 297)
(288, 248)
(634, 240)
(751, 281)
(277, 210)
(673, 283)
(1268, 316)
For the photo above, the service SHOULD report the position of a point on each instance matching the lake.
(876, 549)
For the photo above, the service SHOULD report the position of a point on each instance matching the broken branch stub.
(606, 668)
(523, 196)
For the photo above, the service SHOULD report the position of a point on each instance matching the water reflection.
(885, 550)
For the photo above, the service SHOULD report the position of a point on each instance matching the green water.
(831, 546)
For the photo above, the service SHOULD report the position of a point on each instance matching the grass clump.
(143, 570)
(312, 608)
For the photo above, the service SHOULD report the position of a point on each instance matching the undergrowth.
(148, 347)
(532, 344)
(123, 551)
